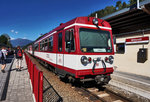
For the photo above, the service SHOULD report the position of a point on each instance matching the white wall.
(127, 62)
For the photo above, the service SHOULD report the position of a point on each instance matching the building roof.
(130, 19)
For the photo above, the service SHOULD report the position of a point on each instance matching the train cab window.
(60, 42)
(51, 43)
(95, 41)
(120, 48)
(70, 45)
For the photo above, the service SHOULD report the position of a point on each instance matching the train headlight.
(111, 59)
(95, 21)
(85, 60)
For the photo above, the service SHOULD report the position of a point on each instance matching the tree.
(5, 41)
(124, 5)
(111, 9)
(104, 12)
(134, 1)
(118, 5)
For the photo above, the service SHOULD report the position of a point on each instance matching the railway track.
(101, 94)
(94, 93)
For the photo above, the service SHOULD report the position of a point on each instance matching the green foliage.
(118, 5)
(111, 9)
(134, 1)
(104, 12)
(124, 5)
(5, 41)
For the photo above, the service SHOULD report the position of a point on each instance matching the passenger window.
(45, 45)
(40, 46)
(36, 47)
(70, 44)
(51, 43)
(60, 42)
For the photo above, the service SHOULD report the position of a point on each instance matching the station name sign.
(137, 40)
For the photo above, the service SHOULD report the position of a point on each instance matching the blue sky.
(29, 18)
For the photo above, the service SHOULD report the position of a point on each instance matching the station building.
(131, 32)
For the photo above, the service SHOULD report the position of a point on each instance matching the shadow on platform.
(9, 63)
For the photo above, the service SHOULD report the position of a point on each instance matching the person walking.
(19, 57)
(3, 54)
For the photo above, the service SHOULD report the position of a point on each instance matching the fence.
(42, 89)
(36, 77)
(49, 93)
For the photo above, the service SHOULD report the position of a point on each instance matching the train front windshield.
(92, 40)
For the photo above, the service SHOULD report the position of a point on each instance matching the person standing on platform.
(19, 57)
(3, 54)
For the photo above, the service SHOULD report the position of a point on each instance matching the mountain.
(20, 42)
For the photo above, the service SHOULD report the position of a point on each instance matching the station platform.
(15, 85)
(132, 86)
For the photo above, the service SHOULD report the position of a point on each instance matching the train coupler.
(102, 79)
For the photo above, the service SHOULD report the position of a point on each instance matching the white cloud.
(16, 32)
(12, 30)
(12, 38)
(24, 38)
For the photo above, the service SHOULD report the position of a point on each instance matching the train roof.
(78, 20)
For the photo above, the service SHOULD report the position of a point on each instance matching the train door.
(60, 53)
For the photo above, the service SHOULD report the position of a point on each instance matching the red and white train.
(79, 49)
